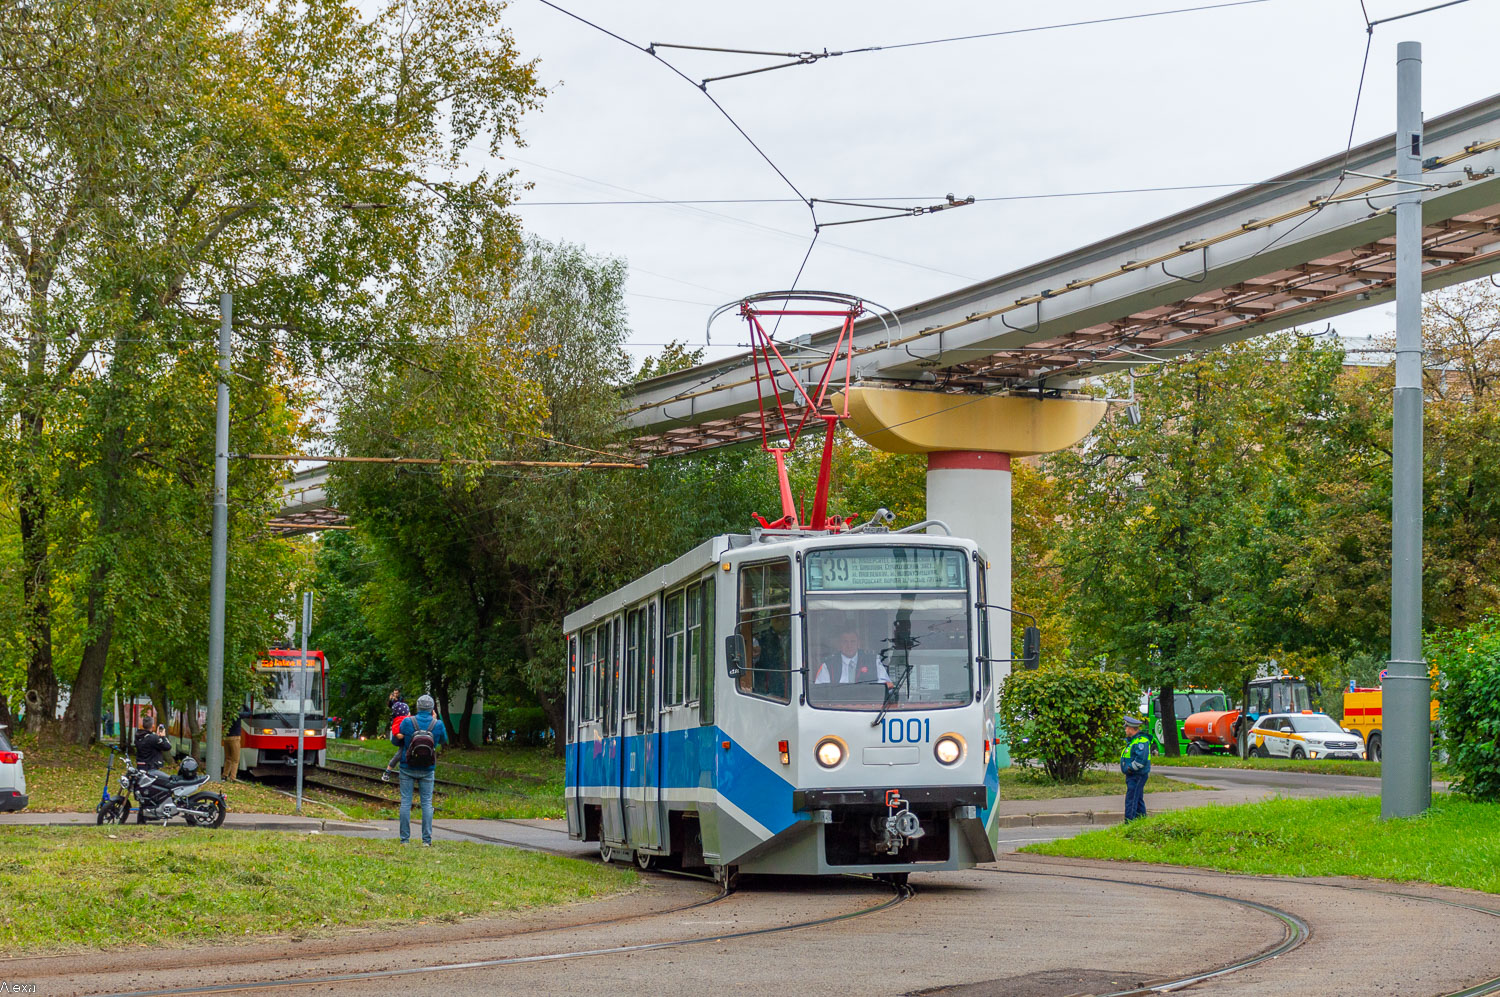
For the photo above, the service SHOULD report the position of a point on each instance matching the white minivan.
(1303, 735)
(12, 779)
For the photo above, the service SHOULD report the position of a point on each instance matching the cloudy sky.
(1222, 97)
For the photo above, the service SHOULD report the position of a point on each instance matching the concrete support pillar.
(970, 491)
(969, 441)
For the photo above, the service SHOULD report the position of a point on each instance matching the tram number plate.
(896, 730)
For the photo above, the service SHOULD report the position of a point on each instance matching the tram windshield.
(888, 627)
(281, 690)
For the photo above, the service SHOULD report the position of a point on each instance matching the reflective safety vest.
(1125, 752)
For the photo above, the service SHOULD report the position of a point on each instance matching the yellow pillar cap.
(901, 420)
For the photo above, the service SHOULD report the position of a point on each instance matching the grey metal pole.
(215, 752)
(302, 691)
(1406, 775)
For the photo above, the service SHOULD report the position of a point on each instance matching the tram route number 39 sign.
(883, 568)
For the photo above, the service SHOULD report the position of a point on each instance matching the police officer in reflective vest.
(1135, 762)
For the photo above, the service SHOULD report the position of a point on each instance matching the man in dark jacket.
(151, 744)
(1135, 763)
(416, 772)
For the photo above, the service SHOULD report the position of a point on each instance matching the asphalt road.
(1287, 783)
(1024, 926)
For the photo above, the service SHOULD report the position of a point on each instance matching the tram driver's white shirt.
(849, 664)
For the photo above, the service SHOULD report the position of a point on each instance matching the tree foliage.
(472, 570)
(1468, 660)
(153, 152)
(1172, 554)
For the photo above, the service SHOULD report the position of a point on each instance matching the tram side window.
(573, 688)
(672, 649)
(586, 677)
(693, 644)
(632, 661)
(707, 654)
(611, 677)
(596, 676)
(765, 622)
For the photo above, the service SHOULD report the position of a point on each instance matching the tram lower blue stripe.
(691, 759)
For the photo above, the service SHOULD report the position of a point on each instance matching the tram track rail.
(359, 770)
(1287, 944)
(358, 794)
(1295, 931)
(901, 895)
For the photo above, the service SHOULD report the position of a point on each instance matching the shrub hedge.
(1066, 718)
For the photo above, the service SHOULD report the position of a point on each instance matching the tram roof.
(708, 553)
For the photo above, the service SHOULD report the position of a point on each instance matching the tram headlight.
(830, 752)
(948, 749)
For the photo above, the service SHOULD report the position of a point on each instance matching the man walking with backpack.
(417, 739)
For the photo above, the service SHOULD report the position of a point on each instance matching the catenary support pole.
(1406, 775)
(215, 746)
(302, 686)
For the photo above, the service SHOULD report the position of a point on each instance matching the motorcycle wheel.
(113, 812)
(206, 801)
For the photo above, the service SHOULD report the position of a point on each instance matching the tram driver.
(851, 664)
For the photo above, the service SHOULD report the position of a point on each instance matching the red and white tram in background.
(268, 736)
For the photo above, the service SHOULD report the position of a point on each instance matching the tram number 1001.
(895, 730)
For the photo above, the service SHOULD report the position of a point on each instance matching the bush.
(1067, 718)
(1469, 705)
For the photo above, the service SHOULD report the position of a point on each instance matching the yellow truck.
(1362, 712)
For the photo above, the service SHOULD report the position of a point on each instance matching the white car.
(12, 779)
(1303, 735)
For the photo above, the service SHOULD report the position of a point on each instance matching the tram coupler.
(898, 827)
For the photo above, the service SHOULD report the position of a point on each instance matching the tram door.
(612, 815)
(630, 720)
(574, 755)
(622, 702)
(645, 822)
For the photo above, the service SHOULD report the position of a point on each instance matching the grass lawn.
(1456, 843)
(68, 778)
(182, 884)
(1329, 767)
(506, 780)
(1033, 784)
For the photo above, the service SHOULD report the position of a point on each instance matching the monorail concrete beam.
(969, 441)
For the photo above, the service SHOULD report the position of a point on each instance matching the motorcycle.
(161, 797)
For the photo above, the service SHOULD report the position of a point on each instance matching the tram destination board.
(885, 568)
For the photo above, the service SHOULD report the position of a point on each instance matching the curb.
(1066, 818)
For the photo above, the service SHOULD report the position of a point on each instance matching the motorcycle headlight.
(948, 749)
(830, 752)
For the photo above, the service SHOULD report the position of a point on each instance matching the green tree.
(1170, 553)
(675, 356)
(477, 567)
(153, 152)
(1342, 569)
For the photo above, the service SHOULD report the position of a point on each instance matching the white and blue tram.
(788, 702)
